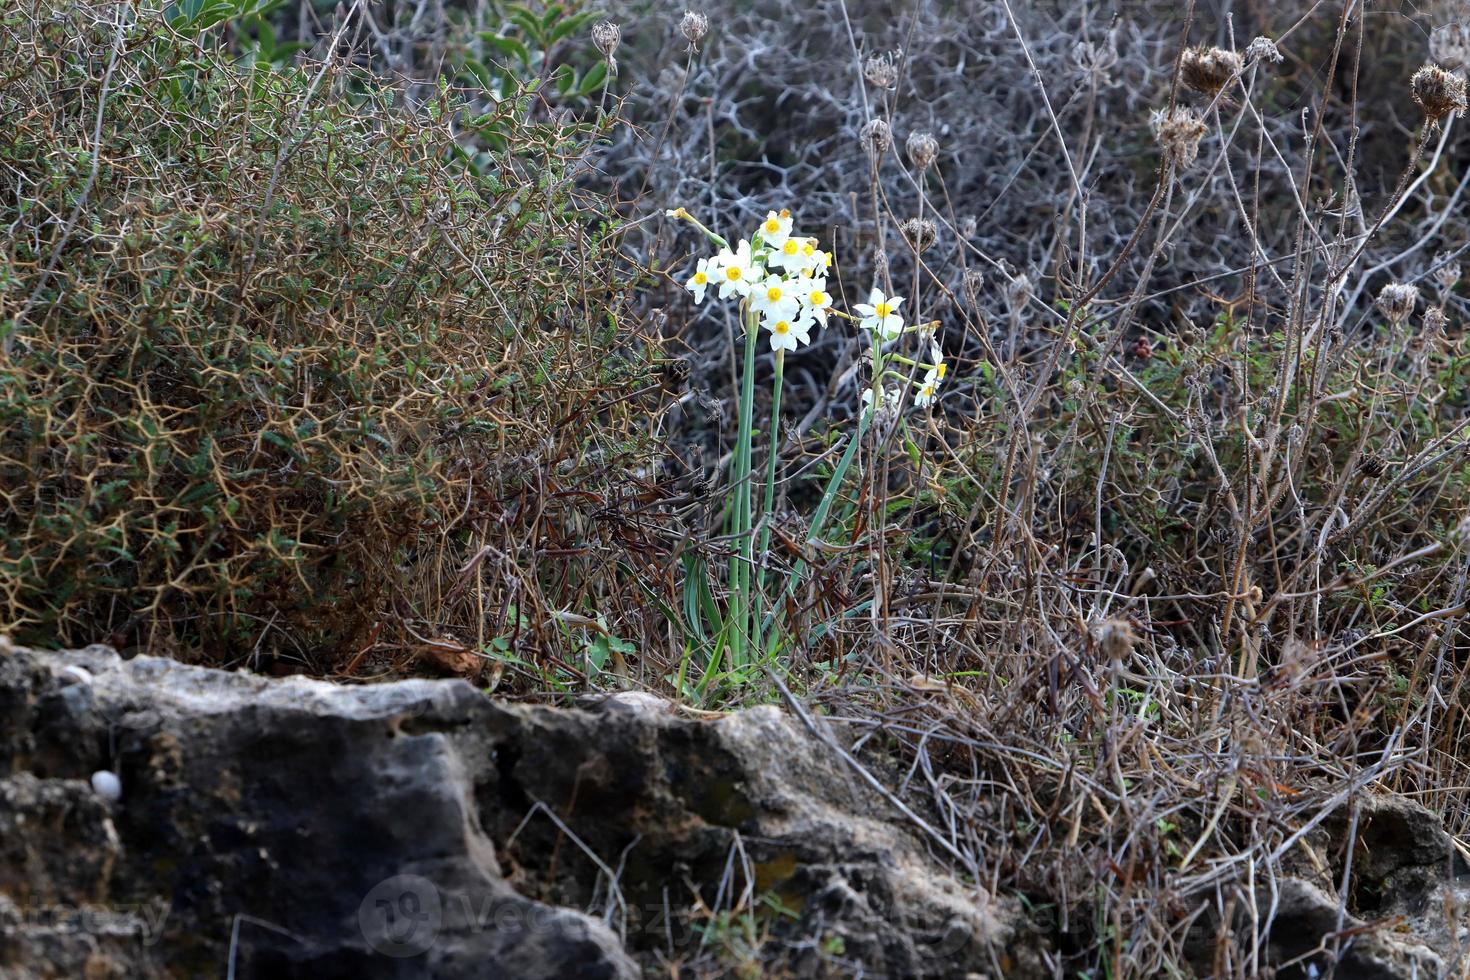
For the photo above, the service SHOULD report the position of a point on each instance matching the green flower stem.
(680, 213)
(819, 517)
(761, 552)
(740, 565)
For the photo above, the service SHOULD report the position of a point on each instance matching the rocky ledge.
(295, 828)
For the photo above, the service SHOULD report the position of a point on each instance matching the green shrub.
(268, 343)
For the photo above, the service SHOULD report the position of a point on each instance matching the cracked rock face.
(296, 828)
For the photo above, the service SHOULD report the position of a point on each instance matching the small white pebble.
(106, 785)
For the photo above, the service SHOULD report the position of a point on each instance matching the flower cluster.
(782, 275)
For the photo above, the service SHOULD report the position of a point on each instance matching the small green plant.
(780, 280)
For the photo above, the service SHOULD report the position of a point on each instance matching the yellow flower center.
(774, 294)
(820, 299)
(772, 226)
(782, 327)
(733, 273)
(882, 309)
(808, 250)
(790, 247)
(700, 279)
(941, 370)
(785, 212)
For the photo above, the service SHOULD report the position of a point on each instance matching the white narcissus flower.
(776, 298)
(789, 334)
(700, 281)
(814, 261)
(940, 368)
(878, 314)
(735, 271)
(776, 229)
(789, 256)
(927, 391)
(815, 299)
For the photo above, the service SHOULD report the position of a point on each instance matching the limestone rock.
(296, 828)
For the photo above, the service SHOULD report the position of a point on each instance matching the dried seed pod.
(606, 36)
(920, 233)
(1373, 465)
(968, 225)
(881, 71)
(877, 138)
(1446, 271)
(922, 148)
(1263, 49)
(1397, 300)
(1438, 92)
(1179, 133)
(1435, 322)
(694, 26)
(1207, 70)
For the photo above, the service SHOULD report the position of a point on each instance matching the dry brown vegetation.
(1176, 570)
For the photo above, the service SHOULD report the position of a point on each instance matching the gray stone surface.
(296, 828)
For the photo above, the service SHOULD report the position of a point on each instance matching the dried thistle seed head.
(922, 148)
(877, 138)
(1179, 133)
(881, 70)
(1373, 465)
(1446, 271)
(1435, 322)
(1438, 92)
(920, 233)
(1397, 300)
(1263, 49)
(694, 26)
(1207, 69)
